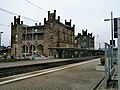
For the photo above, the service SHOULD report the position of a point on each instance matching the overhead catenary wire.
(12, 13)
(4, 25)
(35, 5)
(4, 10)
(1, 9)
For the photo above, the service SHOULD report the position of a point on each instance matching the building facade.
(84, 40)
(38, 38)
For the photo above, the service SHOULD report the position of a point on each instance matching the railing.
(110, 66)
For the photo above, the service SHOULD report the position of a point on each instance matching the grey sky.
(85, 14)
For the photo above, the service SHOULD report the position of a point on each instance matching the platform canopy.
(63, 52)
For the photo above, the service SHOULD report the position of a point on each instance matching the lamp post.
(111, 35)
(32, 45)
(0, 37)
(26, 40)
(17, 42)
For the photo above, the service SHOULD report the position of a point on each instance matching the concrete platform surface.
(81, 77)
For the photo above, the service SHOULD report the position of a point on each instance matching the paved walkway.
(82, 77)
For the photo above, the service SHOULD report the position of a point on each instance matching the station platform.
(83, 76)
(28, 62)
(37, 61)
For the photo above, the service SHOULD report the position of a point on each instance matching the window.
(63, 36)
(51, 36)
(51, 25)
(29, 37)
(34, 37)
(84, 38)
(40, 36)
(67, 37)
(70, 38)
(84, 45)
(75, 41)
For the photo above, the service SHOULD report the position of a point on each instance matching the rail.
(9, 71)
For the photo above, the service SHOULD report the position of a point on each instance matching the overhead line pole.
(118, 23)
(0, 37)
(111, 35)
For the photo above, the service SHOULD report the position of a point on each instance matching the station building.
(38, 38)
(84, 40)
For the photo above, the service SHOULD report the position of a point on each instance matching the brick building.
(84, 40)
(37, 39)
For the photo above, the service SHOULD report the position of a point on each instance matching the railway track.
(9, 71)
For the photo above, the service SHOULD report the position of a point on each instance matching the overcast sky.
(85, 14)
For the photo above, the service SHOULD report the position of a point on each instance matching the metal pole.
(118, 53)
(106, 67)
(0, 37)
(25, 39)
(112, 38)
(17, 44)
(32, 45)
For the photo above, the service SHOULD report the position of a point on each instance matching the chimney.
(54, 14)
(65, 21)
(48, 15)
(70, 22)
(18, 20)
(39, 23)
(91, 34)
(15, 20)
(21, 22)
(11, 25)
(35, 24)
(73, 26)
(58, 18)
(44, 20)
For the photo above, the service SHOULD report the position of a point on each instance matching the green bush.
(12, 60)
(102, 60)
(4, 55)
(8, 60)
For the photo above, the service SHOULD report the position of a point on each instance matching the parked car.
(25, 56)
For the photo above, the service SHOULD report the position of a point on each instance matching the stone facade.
(37, 39)
(16, 41)
(56, 33)
(84, 40)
